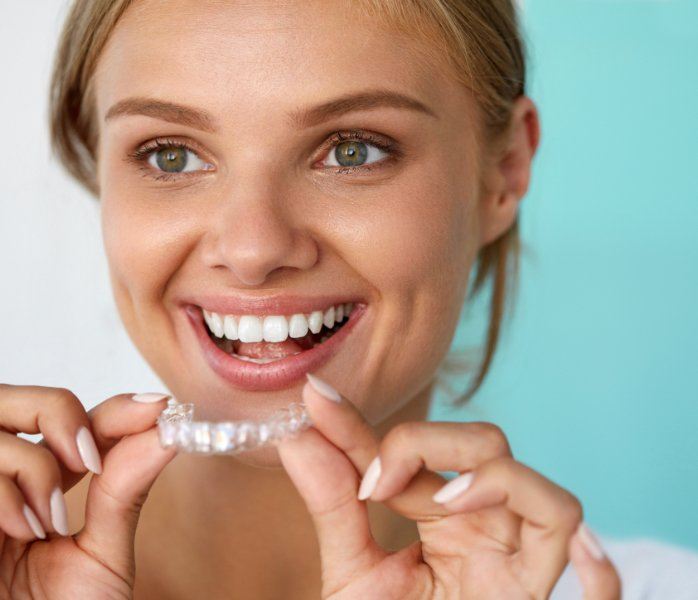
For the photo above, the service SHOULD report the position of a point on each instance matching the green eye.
(351, 154)
(176, 159)
(354, 153)
(171, 160)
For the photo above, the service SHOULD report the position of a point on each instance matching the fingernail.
(370, 479)
(590, 541)
(324, 389)
(88, 450)
(149, 397)
(453, 488)
(33, 521)
(59, 513)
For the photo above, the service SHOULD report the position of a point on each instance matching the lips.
(275, 375)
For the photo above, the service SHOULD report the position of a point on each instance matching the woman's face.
(286, 191)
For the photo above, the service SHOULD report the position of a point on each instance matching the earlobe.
(509, 176)
(498, 213)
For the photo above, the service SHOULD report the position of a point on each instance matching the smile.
(265, 352)
(264, 339)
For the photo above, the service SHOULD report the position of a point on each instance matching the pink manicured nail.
(370, 479)
(59, 513)
(324, 389)
(453, 488)
(88, 450)
(590, 541)
(34, 522)
(149, 397)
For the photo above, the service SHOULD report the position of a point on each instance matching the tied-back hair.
(481, 39)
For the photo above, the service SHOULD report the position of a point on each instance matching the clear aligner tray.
(177, 428)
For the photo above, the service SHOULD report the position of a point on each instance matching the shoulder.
(649, 570)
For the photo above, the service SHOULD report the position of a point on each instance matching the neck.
(241, 525)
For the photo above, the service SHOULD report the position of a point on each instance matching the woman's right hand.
(117, 440)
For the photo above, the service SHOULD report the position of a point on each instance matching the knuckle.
(494, 436)
(504, 466)
(64, 399)
(571, 511)
(122, 504)
(337, 506)
(402, 435)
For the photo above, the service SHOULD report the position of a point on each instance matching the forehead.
(261, 55)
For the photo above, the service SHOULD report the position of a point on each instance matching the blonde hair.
(480, 38)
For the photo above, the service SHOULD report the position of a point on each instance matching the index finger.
(56, 413)
(343, 425)
(115, 418)
(76, 438)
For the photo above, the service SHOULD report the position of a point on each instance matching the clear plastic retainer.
(176, 428)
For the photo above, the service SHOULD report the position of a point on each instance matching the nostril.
(263, 248)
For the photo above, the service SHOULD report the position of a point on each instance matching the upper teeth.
(274, 328)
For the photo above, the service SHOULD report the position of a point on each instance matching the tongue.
(268, 349)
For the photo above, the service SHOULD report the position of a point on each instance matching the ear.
(508, 175)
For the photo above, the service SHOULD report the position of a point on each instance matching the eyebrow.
(300, 118)
(166, 111)
(366, 100)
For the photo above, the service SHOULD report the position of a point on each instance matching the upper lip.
(269, 305)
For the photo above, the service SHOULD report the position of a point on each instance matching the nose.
(253, 234)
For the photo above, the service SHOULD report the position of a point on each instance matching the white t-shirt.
(649, 570)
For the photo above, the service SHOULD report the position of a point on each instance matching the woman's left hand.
(509, 535)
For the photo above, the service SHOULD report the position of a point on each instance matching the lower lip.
(276, 375)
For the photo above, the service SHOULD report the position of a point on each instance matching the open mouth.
(266, 339)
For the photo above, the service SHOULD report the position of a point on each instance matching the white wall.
(59, 325)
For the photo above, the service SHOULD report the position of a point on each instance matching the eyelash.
(384, 144)
(141, 155)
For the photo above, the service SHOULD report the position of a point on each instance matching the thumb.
(598, 576)
(328, 482)
(116, 496)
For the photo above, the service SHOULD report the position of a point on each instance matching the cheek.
(417, 241)
(144, 246)
(416, 251)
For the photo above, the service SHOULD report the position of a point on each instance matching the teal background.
(594, 382)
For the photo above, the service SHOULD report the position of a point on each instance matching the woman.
(262, 160)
